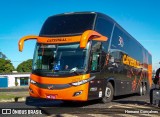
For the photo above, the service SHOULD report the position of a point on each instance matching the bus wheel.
(140, 90)
(108, 93)
(144, 90)
(151, 96)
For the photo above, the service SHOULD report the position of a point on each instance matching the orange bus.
(83, 56)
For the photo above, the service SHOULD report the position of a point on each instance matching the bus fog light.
(33, 82)
(77, 93)
(30, 90)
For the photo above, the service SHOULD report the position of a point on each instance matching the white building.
(14, 79)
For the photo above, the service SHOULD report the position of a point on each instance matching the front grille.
(53, 86)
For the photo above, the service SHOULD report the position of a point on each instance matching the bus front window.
(60, 59)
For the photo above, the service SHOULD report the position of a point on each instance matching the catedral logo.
(130, 61)
(57, 40)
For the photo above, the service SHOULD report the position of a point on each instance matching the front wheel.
(108, 93)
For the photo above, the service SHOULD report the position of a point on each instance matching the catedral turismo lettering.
(56, 40)
(130, 61)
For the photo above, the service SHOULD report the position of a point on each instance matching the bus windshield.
(69, 24)
(60, 59)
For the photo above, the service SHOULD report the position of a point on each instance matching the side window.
(118, 39)
(115, 62)
(95, 59)
(104, 27)
(150, 58)
(123, 41)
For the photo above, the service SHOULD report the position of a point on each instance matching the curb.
(13, 89)
(19, 99)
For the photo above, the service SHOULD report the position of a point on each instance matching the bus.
(83, 56)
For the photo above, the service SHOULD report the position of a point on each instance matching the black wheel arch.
(112, 81)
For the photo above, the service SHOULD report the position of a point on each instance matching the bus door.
(95, 87)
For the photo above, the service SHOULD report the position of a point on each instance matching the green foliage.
(25, 66)
(16, 83)
(6, 66)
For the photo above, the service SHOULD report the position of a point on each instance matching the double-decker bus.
(83, 56)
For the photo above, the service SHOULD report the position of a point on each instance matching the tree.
(25, 66)
(2, 55)
(6, 66)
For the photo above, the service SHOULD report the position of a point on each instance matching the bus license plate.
(51, 96)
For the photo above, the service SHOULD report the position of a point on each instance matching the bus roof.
(98, 14)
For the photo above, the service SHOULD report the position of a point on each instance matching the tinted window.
(150, 58)
(67, 24)
(104, 27)
(124, 42)
(95, 61)
(96, 46)
(119, 40)
(135, 50)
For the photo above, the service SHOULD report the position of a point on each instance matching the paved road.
(127, 106)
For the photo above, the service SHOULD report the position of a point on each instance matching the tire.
(108, 96)
(140, 90)
(144, 89)
(151, 96)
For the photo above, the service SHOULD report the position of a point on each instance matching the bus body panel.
(59, 80)
(121, 60)
(59, 93)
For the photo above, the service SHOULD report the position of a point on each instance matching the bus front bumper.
(74, 93)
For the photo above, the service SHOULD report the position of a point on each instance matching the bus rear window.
(67, 24)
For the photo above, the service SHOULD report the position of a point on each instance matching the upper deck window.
(68, 24)
(104, 27)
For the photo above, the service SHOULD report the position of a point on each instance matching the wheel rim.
(108, 92)
(144, 89)
(141, 90)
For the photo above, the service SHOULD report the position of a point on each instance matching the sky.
(18, 18)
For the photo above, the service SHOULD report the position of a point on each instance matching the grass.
(11, 95)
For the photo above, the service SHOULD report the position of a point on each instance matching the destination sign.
(57, 40)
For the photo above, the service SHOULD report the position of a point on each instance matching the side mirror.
(93, 35)
(21, 41)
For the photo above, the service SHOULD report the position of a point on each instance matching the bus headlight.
(82, 81)
(79, 83)
(32, 81)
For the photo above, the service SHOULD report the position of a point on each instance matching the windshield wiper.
(74, 70)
